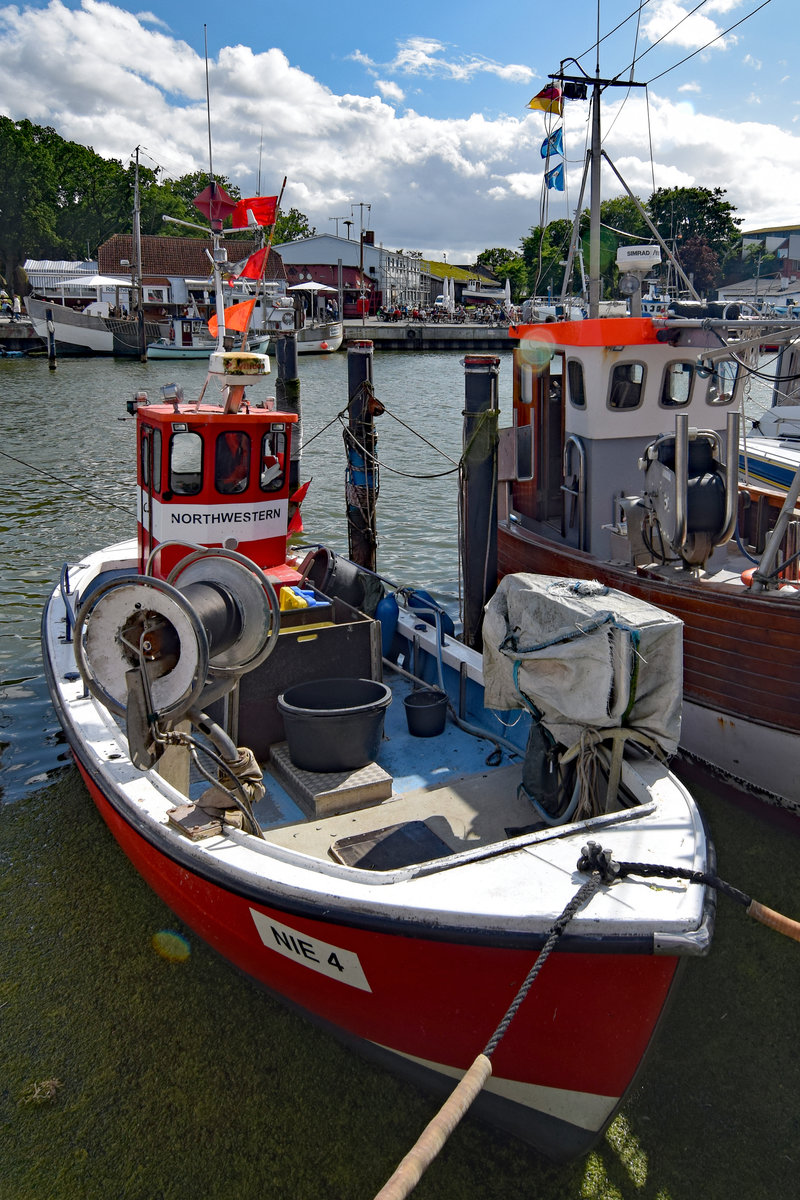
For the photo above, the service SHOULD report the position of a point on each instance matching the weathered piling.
(287, 397)
(361, 480)
(52, 361)
(478, 497)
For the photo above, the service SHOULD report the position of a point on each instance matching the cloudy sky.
(420, 109)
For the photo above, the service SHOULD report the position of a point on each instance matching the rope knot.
(595, 859)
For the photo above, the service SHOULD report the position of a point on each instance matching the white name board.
(310, 952)
(250, 522)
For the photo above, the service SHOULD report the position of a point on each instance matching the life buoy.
(172, 333)
(411, 333)
(288, 319)
(747, 580)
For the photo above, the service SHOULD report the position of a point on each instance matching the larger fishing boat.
(357, 808)
(621, 463)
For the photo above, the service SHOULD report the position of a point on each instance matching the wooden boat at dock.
(292, 752)
(91, 331)
(622, 464)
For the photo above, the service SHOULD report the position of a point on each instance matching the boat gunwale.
(204, 860)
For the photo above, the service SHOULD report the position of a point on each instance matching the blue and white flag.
(554, 144)
(555, 178)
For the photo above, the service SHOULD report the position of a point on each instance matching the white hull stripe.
(584, 1109)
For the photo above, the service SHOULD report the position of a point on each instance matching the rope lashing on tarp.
(438, 1130)
(594, 858)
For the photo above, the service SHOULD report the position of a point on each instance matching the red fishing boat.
(341, 837)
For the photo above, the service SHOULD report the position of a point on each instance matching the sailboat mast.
(594, 204)
(574, 87)
(137, 249)
(219, 256)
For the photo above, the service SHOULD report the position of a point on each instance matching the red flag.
(295, 520)
(254, 266)
(236, 317)
(214, 202)
(263, 209)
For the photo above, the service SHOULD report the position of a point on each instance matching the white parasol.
(311, 286)
(94, 281)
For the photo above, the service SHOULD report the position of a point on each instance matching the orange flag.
(236, 317)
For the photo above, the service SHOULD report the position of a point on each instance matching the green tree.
(507, 264)
(59, 199)
(28, 195)
(681, 213)
(498, 258)
(544, 252)
(622, 215)
(291, 226)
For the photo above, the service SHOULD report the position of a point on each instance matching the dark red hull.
(583, 1029)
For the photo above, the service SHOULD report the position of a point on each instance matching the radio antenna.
(208, 105)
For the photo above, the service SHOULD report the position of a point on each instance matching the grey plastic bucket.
(426, 712)
(334, 724)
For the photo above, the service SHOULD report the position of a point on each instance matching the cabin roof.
(604, 331)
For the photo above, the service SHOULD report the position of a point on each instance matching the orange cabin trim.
(602, 331)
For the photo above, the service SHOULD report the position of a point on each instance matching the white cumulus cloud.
(112, 80)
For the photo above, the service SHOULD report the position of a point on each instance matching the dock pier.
(423, 335)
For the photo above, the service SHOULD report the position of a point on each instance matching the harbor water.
(145, 1068)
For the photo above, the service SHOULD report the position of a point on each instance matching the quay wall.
(417, 335)
(19, 335)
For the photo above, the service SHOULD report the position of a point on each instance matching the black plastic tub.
(426, 712)
(334, 724)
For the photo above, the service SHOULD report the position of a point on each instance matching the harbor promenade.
(385, 335)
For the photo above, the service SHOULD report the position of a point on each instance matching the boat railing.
(64, 589)
(766, 574)
(681, 439)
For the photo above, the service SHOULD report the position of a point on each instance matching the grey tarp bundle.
(585, 656)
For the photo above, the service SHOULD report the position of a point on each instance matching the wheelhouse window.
(676, 390)
(627, 385)
(186, 463)
(231, 462)
(722, 383)
(577, 391)
(555, 388)
(150, 451)
(272, 471)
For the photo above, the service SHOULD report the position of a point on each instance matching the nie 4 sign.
(319, 956)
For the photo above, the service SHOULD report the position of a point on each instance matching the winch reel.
(201, 628)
